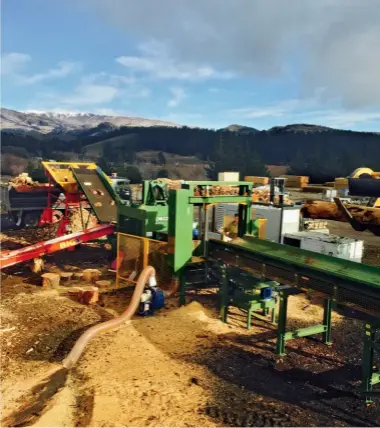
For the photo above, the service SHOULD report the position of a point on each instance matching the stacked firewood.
(315, 224)
(172, 184)
(263, 195)
(219, 190)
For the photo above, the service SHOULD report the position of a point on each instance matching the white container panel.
(228, 176)
(290, 221)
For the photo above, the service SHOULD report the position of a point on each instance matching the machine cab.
(122, 188)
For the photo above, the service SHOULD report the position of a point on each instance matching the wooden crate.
(262, 181)
(296, 181)
(341, 183)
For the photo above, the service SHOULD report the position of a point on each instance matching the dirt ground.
(182, 367)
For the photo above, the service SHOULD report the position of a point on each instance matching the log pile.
(329, 211)
(322, 210)
(365, 214)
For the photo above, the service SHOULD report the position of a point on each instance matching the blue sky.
(195, 62)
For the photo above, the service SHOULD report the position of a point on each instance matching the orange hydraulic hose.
(81, 343)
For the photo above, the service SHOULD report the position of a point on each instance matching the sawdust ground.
(184, 367)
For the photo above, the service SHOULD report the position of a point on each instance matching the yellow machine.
(364, 173)
(365, 182)
(62, 174)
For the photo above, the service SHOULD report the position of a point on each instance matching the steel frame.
(371, 375)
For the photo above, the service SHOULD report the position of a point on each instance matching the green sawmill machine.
(150, 218)
(258, 275)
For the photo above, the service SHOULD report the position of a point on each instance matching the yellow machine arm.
(364, 171)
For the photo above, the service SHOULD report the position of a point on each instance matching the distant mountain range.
(74, 124)
(318, 151)
(33, 122)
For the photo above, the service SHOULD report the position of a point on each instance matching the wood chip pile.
(22, 179)
(89, 220)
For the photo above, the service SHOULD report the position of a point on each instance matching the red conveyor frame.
(11, 258)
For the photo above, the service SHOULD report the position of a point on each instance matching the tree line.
(321, 154)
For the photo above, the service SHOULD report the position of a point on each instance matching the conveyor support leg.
(281, 331)
(326, 335)
(370, 375)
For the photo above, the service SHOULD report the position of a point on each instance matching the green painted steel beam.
(375, 378)
(345, 269)
(306, 331)
(218, 199)
(345, 282)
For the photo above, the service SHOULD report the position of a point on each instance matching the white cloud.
(13, 62)
(91, 94)
(178, 94)
(330, 44)
(281, 108)
(63, 69)
(259, 112)
(13, 65)
(343, 119)
(155, 62)
(306, 111)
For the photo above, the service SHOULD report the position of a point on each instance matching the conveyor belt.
(100, 196)
(349, 283)
(11, 258)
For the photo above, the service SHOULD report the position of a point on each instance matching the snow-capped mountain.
(52, 122)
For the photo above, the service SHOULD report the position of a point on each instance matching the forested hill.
(320, 152)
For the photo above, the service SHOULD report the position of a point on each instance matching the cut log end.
(51, 280)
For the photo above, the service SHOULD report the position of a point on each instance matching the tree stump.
(91, 275)
(78, 275)
(89, 295)
(50, 280)
(66, 277)
(103, 284)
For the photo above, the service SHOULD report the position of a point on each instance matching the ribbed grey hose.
(81, 343)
